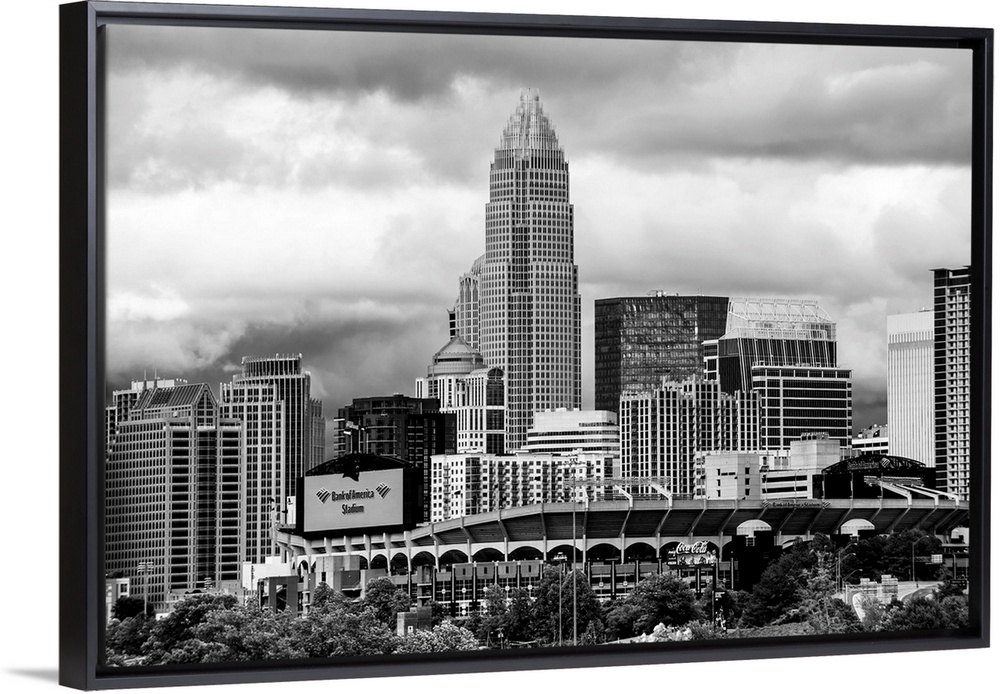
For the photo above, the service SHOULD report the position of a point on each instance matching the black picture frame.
(82, 342)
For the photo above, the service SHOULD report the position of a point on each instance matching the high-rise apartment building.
(271, 396)
(640, 340)
(461, 383)
(172, 492)
(952, 340)
(786, 351)
(910, 385)
(663, 430)
(467, 484)
(519, 305)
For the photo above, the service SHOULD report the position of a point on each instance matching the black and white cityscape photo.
(432, 342)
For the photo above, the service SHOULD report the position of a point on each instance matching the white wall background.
(29, 273)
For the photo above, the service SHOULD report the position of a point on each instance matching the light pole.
(841, 579)
(143, 568)
(573, 573)
(913, 562)
(560, 559)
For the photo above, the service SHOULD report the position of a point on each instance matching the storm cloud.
(321, 192)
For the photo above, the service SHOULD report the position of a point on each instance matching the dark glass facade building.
(397, 426)
(639, 340)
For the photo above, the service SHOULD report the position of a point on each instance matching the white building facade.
(564, 432)
(474, 393)
(910, 385)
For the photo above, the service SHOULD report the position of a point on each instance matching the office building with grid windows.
(172, 493)
(271, 396)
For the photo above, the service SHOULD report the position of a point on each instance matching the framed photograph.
(400, 342)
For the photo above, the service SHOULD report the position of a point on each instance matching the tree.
(874, 613)
(817, 604)
(519, 626)
(658, 599)
(777, 592)
(927, 613)
(179, 625)
(385, 600)
(948, 587)
(493, 616)
(340, 631)
(893, 555)
(125, 639)
(438, 611)
(243, 633)
(130, 606)
(325, 597)
(546, 608)
(445, 637)
(620, 617)
(731, 606)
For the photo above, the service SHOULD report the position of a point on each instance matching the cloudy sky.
(321, 192)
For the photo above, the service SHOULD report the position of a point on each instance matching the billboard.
(335, 502)
(697, 554)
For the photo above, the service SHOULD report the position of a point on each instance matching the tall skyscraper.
(952, 339)
(639, 340)
(786, 350)
(271, 396)
(519, 305)
(172, 492)
(910, 385)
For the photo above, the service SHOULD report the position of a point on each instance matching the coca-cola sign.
(695, 554)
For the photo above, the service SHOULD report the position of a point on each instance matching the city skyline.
(330, 210)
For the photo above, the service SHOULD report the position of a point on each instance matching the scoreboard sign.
(335, 502)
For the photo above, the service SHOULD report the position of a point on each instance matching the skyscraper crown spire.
(529, 127)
